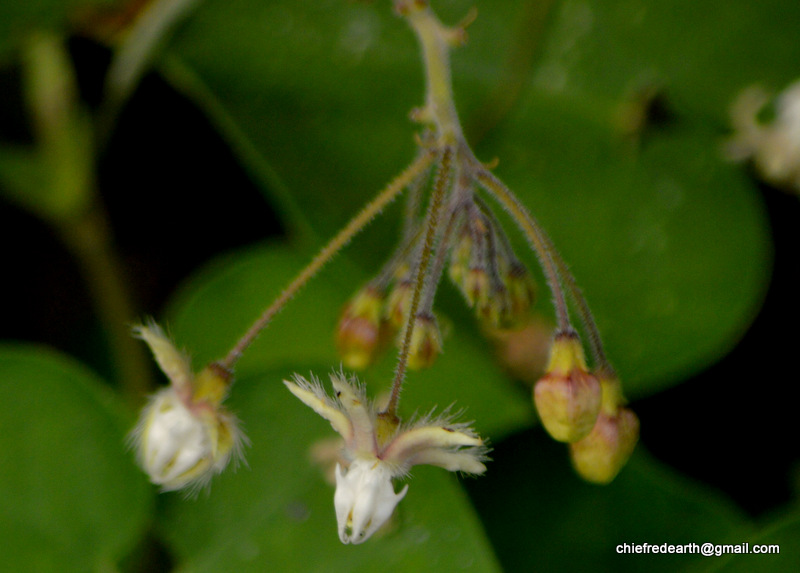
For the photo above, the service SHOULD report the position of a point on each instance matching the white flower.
(774, 148)
(184, 436)
(364, 499)
(379, 450)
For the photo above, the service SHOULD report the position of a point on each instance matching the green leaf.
(277, 514)
(216, 308)
(670, 246)
(73, 497)
(669, 243)
(777, 543)
(548, 520)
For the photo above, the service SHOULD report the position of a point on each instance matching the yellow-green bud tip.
(600, 456)
(567, 397)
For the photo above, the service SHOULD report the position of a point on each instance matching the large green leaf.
(546, 519)
(73, 499)
(668, 242)
(277, 514)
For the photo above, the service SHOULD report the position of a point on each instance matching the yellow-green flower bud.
(600, 456)
(399, 304)
(361, 329)
(460, 259)
(521, 293)
(567, 397)
(426, 343)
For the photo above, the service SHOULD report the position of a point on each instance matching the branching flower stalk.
(580, 406)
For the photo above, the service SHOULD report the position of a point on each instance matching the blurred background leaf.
(73, 499)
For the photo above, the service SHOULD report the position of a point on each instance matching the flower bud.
(477, 287)
(361, 330)
(180, 445)
(364, 499)
(600, 456)
(521, 293)
(184, 435)
(399, 303)
(426, 343)
(460, 259)
(567, 397)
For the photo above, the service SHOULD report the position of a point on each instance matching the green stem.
(437, 199)
(88, 237)
(435, 42)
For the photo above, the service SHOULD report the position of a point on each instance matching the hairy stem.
(344, 236)
(601, 362)
(432, 223)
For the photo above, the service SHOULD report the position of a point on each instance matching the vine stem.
(356, 224)
(437, 199)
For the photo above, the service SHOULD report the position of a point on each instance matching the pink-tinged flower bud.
(567, 397)
(426, 343)
(476, 287)
(520, 293)
(600, 456)
(361, 332)
(399, 304)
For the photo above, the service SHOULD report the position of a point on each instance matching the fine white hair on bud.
(364, 499)
(180, 448)
(184, 435)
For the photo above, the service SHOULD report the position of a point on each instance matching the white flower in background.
(773, 147)
(184, 436)
(379, 448)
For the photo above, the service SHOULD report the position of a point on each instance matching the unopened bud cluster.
(185, 434)
(482, 265)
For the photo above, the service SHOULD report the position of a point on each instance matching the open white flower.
(184, 435)
(379, 450)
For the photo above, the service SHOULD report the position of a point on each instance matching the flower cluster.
(185, 435)
(379, 448)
